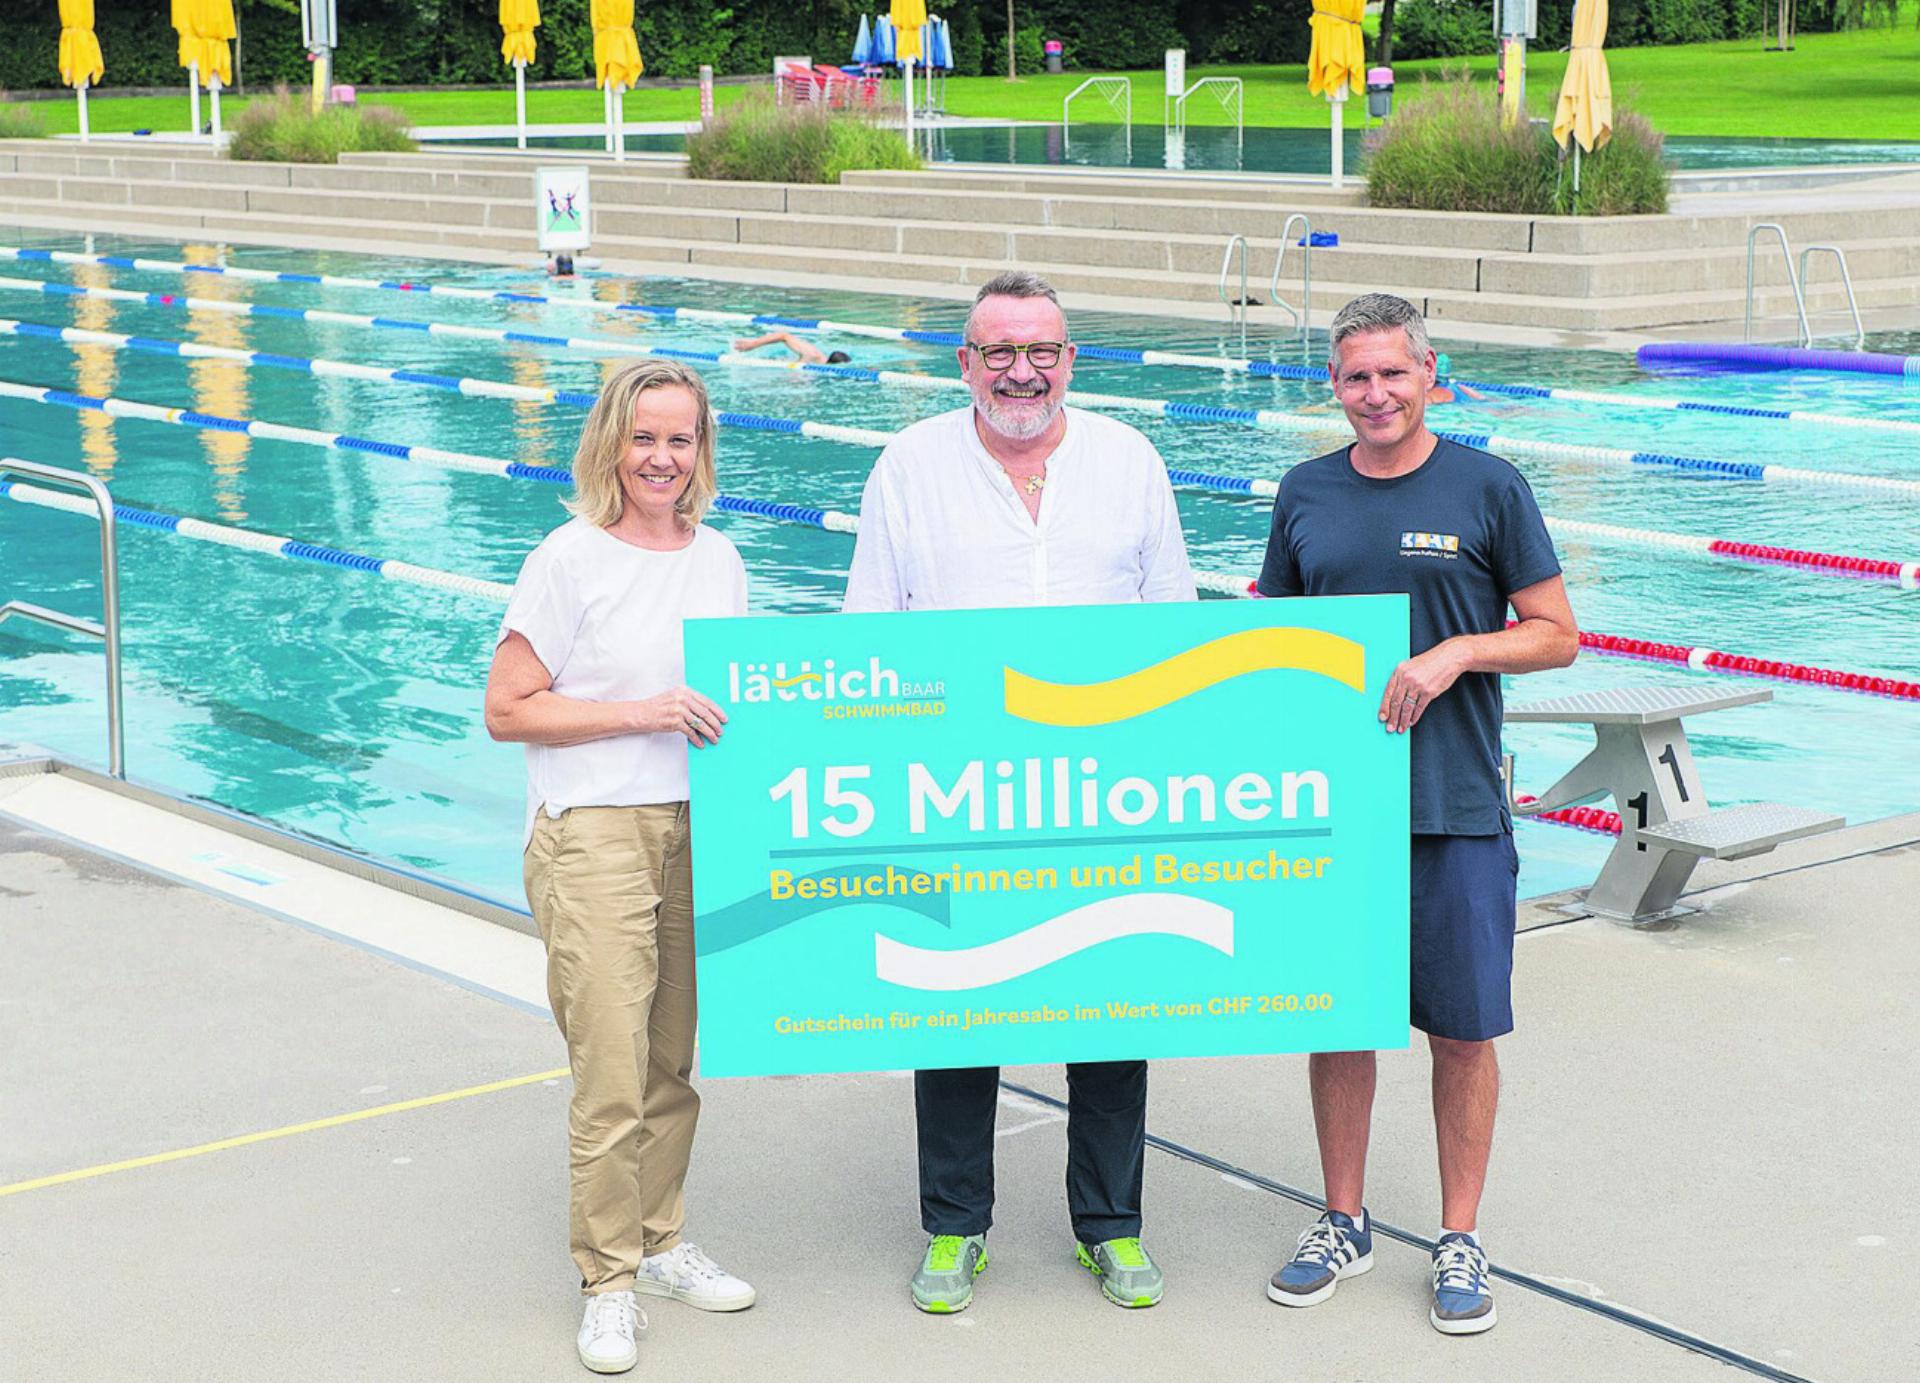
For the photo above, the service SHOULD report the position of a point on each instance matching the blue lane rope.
(1906, 573)
(1174, 411)
(1117, 354)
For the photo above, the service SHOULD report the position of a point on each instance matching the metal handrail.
(1793, 280)
(1108, 87)
(1227, 91)
(1303, 317)
(1846, 281)
(108, 629)
(1236, 308)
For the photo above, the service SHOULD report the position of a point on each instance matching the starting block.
(1642, 760)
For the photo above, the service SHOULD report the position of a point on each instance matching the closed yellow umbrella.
(1336, 64)
(213, 26)
(1586, 93)
(616, 52)
(181, 17)
(81, 65)
(616, 65)
(907, 17)
(80, 60)
(518, 20)
(1338, 56)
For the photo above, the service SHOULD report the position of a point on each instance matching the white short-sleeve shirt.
(604, 618)
(942, 528)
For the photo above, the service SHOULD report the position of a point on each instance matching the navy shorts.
(1464, 891)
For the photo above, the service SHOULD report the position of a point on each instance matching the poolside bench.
(1642, 760)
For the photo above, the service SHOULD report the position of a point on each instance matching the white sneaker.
(607, 1332)
(686, 1274)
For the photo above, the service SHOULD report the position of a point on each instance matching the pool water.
(1261, 149)
(348, 707)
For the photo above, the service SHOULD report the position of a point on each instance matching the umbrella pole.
(80, 92)
(606, 115)
(520, 101)
(908, 69)
(214, 87)
(1576, 166)
(619, 123)
(1337, 98)
(193, 90)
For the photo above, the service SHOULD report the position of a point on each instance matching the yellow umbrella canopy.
(213, 27)
(1338, 55)
(616, 52)
(181, 17)
(1586, 94)
(518, 20)
(907, 17)
(80, 59)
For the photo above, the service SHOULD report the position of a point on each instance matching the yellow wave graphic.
(798, 678)
(1123, 698)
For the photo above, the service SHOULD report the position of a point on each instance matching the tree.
(1011, 74)
(1385, 58)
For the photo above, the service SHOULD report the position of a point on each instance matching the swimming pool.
(337, 704)
(1213, 148)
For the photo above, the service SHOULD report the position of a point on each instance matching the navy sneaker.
(1331, 1248)
(1462, 1300)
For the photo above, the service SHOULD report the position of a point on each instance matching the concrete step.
(1826, 306)
(1055, 178)
(1685, 271)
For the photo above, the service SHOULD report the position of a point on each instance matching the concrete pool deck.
(1707, 1127)
(1144, 243)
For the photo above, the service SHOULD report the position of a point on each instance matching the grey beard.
(1023, 424)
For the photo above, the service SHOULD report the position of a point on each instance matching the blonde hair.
(607, 436)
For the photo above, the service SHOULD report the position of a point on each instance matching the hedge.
(398, 42)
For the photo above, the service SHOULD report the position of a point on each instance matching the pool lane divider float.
(265, 544)
(1114, 354)
(1750, 357)
(1171, 410)
(1905, 574)
(268, 544)
(604, 345)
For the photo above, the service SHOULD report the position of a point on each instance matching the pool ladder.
(1797, 280)
(1237, 307)
(106, 629)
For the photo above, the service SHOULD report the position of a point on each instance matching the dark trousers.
(1106, 1147)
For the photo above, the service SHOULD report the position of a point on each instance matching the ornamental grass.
(1448, 149)
(20, 121)
(282, 128)
(756, 140)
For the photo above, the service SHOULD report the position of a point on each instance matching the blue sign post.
(985, 837)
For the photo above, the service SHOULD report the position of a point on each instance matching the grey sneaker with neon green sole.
(944, 1283)
(1128, 1276)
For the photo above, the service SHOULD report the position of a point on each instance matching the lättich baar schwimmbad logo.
(859, 691)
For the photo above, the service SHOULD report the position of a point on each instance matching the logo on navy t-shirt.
(1445, 546)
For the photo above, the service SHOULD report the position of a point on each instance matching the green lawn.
(1860, 85)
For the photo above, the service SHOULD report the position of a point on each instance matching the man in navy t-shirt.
(1457, 531)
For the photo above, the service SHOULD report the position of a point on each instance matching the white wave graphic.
(1133, 914)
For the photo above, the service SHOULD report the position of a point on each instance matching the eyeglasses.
(1042, 355)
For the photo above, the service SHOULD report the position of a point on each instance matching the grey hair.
(1015, 283)
(1378, 312)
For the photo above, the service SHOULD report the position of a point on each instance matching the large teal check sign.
(971, 838)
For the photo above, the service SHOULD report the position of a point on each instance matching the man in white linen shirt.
(1018, 499)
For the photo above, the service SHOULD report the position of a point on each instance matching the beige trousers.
(612, 892)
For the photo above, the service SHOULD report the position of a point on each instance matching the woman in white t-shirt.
(588, 673)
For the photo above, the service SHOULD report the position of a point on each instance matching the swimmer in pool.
(809, 353)
(1444, 392)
